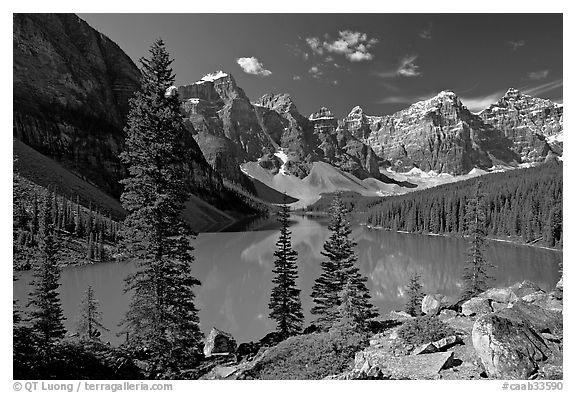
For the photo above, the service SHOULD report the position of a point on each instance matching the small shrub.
(312, 356)
(422, 330)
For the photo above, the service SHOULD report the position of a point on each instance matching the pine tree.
(476, 272)
(349, 311)
(162, 317)
(285, 306)
(78, 218)
(415, 296)
(90, 250)
(34, 222)
(89, 325)
(46, 316)
(338, 267)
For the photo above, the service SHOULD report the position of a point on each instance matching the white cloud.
(315, 44)
(252, 65)
(516, 44)
(315, 72)
(405, 99)
(360, 56)
(353, 45)
(474, 103)
(426, 34)
(296, 77)
(537, 75)
(543, 88)
(407, 67)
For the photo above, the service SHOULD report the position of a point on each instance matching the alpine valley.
(184, 227)
(71, 90)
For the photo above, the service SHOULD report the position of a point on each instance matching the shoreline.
(512, 242)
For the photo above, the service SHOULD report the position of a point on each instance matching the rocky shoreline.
(511, 332)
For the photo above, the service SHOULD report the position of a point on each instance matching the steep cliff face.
(70, 93)
(438, 134)
(534, 125)
(339, 147)
(224, 123)
(270, 131)
(442, 135)
(290, 131)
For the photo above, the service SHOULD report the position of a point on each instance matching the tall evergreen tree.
(477, 270)
(162, 317)
(285, 305)
(89, 325)
(339, 267)
(349, 316)
(46, 315)
(78, 218)
(415, 296)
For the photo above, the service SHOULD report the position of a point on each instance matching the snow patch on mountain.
(284, 158)
(213, 76)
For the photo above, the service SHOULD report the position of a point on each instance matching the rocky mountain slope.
(534, 125)
(442, 135)
(71, 90)
(231, 130)
(70, 94)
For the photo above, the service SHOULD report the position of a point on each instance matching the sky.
(381, 62)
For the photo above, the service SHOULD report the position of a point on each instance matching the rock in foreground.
(219, 342)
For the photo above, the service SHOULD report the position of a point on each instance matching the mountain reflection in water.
(235, 269)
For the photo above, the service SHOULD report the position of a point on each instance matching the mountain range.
(71, 90)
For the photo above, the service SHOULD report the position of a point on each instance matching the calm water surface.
(235, 269)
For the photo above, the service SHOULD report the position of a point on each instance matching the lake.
(235, 269)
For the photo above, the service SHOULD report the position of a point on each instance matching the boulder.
(542, 319)
(525, 288)
(431, 304)
(219, 342)
(438, 346)
(502, 295)
(447, 342)
(549, 302)
(399, 316)
(532, 297)
(497, 306)
(425, 348)
(476, 306)
(446, 314)
(509, 342)
(426, 366)
(560, 283)
(270, 340)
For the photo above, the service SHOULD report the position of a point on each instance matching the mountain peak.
(512, 92)
(446, 93)
(323, 114)
(357, 110)
(211, 77)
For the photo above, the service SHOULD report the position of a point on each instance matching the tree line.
(524, 204)
(93, 230)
